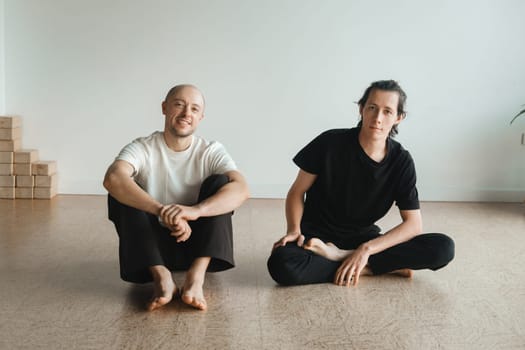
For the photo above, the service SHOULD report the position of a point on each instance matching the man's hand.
(289, 237)
(172, 214)
(182, 231)
(350, 269)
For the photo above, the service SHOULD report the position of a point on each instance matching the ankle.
(159, 272)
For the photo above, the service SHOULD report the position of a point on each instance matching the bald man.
(171, 197)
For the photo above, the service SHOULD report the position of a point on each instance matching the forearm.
(294, 211)
(399, 234)
(126, 191)
(228, 198)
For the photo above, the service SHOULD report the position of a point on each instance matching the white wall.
(89, 76)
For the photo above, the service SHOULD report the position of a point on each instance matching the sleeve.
(310, 158)
(407, 196)
(135, 154)
(220, 160)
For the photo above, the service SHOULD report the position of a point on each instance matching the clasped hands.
(176, 217)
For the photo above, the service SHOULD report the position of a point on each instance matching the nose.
(187, 110)
(378, 117)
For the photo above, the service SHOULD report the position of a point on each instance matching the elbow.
(109, 181)
(245, 193)
(106, 183)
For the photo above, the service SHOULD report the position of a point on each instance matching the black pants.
(293, 265)
(143, 242)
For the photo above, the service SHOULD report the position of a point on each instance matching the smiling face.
(183, 109)
(379, 114)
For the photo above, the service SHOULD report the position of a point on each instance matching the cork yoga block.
(6, 169)
(7, 192)
(24, 192)
(25, 156)
(7, 181)
(25, 181)
(10, 145)
(22, 169)
(10, 134)
(6, 157)
(44, 192)
(47, 167)
(46, 181)
(10, 122)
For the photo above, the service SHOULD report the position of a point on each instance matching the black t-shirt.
(352, 191)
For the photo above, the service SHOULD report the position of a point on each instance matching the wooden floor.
(60, 288)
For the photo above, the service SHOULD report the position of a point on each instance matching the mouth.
(183, 121)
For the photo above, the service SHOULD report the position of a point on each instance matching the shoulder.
(400, 154)
(339, 133)
(151, 144)
(336, 136)
(152, 139)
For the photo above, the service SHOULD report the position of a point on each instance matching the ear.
(163, 105)
(400, 118)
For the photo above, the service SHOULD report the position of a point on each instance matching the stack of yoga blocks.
(22, 174)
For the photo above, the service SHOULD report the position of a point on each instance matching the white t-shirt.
(175, 177)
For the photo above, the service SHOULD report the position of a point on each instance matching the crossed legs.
(331, 252)
(317, 262)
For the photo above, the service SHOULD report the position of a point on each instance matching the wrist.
(293, 230)
(366, 248)
(200, 210)
(156, 208)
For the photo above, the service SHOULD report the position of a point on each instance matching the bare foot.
(327, 250)
(404, 273)
(193, 295)
(163, 287)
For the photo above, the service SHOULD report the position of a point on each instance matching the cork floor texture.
(60, 287)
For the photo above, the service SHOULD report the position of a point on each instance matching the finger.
(174, 215)
(282, 242)
(341, 272)
(184, 237)
(176, 233)
(164, 209)
(357, 274)
(177, 230)
(348, 278)
(337, 280)
(300, 241)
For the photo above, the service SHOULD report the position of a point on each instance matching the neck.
(177, 143)
(374, 148)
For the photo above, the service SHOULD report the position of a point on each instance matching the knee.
(212, 184)
(444, 252)
(280, 267)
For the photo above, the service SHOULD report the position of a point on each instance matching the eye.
(195, 109)
(179, 104)
(371, 107)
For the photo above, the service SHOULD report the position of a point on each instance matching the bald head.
(174, 90)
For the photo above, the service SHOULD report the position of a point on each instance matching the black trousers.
(144, 242)
(293, 265)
